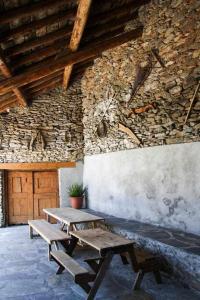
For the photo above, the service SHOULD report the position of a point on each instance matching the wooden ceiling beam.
(6, 71)
(42, 41)
(7, 104)
(29, 10)
(54, 49)
(77, 33)
(40, 54)
(50, 66)
(118, 12)
(111, 25)
(37, 24)
(43, 80)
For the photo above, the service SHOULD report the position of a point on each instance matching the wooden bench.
(80, 275)
(50, 233)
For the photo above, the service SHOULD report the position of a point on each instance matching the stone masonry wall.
(49, 130)
(2, 203)
(172, 27)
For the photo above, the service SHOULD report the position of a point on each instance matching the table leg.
(71, 245)
(69, 228)
(48, 218)
(49, 252)
(100, 275)
(30, 232)
(138, 280)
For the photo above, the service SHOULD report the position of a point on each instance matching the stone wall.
(2, 203)
(171, 27)
(49, 130)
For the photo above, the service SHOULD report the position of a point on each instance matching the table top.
(71, 216)
(101, 239)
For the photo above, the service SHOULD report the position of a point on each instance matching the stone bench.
(181, 250)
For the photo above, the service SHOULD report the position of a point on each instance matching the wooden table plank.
(71, 216)
(101, 239)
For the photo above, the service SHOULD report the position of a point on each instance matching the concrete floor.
(26, 274)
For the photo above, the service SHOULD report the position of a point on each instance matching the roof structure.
(48, 43)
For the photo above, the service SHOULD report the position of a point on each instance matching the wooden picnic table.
(107, 244)
(71, 217)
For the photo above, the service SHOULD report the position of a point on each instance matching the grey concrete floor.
(26, 274)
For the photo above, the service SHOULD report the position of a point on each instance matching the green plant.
(76, 190)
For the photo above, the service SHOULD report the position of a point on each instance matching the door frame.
(32, 171)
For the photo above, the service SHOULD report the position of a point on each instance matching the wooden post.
(77, 33)
(7, 73)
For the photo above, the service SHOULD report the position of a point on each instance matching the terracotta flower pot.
(76, 202)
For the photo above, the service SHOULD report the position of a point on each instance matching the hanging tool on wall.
(101, 128)
(192, 101)
(142, 73)
(155, 53)
(130, 133)
(142, 109)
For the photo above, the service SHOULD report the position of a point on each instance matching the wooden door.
(20, 197)
(45, 192)
(29, 193)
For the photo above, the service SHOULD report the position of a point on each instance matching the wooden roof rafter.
(77, 33)
(28, 10)
(49, 67)
(40, 43)
(6, 71)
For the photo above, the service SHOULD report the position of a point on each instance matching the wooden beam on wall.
(6, 71)
(37, 166)
(51, 66)
(77, 33)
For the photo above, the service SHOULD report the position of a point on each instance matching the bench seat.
(49, 232)
(68, 263)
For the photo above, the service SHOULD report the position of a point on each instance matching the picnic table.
(70, 217)
(107, 244)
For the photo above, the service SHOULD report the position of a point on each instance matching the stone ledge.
(180, 249)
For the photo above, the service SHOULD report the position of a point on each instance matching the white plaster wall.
(68, 176)
(158, 185)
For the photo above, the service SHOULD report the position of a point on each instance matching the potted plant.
(76, 194)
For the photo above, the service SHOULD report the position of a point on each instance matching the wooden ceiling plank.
(7, 104)
(111, 25)
(37, 24)
(50, 66)
(42, 41)
(29, 10)
(118, 12)
(6, 71)
(40, 54)
(77, 33)
(54, 49)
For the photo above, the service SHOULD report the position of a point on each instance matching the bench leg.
(30, 232)
(60, 270)
(124, 259)
(56, 245)
(49, 252)
(138, 280)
